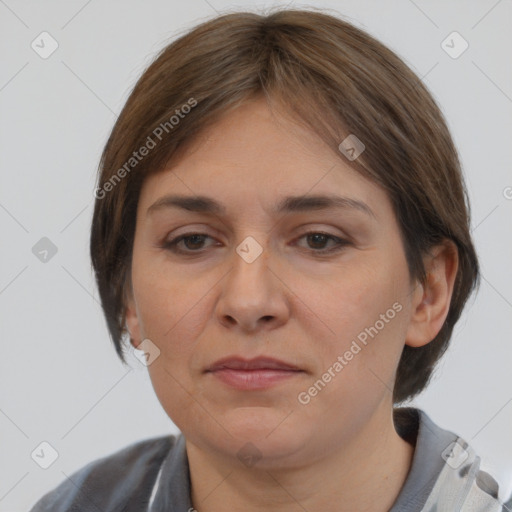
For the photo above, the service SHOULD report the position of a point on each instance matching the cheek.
(171, 311)
(366, 311)
(170, 305)
(175, 393)
(355, 299)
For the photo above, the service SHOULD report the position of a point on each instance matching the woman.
(281, 227)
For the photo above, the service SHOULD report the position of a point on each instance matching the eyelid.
(303, 229)
(320, 228)
(340, 243)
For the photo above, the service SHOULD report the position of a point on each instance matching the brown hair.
(332, 77)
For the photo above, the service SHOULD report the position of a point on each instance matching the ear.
(431, 299)
(132, 320)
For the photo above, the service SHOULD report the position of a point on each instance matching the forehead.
(254, 155)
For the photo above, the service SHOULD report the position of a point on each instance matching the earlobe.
(132, 322)
(431, 300)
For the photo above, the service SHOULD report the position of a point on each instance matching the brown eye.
(192, 242)
(317, 240)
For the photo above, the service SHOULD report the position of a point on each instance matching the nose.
(253, 296)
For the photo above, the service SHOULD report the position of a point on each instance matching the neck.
(365, 475)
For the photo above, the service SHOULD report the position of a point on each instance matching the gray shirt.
(153, 476)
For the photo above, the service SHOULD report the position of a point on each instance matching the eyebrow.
(289, 204)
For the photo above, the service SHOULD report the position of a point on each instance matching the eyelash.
(172, 245)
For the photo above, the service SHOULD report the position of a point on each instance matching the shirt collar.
(171, 490)
(172, 486)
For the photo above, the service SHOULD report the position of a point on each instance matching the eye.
(191, 240)
(320, 239)
(193, 243)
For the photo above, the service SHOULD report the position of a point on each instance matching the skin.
(340, 452)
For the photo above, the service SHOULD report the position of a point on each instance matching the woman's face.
(324, 289)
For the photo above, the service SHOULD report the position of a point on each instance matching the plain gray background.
(61, 381)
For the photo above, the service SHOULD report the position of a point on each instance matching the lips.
(258, 363)
(254, 374)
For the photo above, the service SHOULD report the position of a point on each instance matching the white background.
(61, 381)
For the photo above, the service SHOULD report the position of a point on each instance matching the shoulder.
(111, 482)
(456, 480)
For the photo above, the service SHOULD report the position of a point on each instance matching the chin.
(248, 422)
(268, 429)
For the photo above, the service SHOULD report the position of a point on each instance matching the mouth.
(254, 374)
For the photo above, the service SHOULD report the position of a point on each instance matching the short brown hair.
(333, 78)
